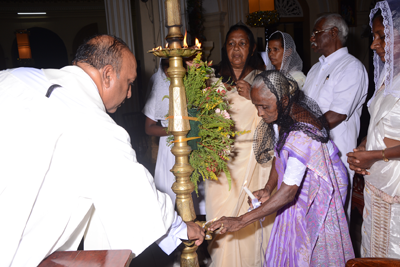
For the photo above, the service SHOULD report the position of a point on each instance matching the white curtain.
(119, 20)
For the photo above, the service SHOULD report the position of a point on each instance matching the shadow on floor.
(355, 231)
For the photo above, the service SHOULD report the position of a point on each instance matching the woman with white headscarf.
(378, 155)
(282, 55)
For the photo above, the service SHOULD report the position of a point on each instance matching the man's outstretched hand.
(195, 233)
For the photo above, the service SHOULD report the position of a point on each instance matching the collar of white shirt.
(334, 56)
(82, 82)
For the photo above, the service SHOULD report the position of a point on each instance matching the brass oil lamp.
(178, 124)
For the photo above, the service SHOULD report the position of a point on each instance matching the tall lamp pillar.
(178, 126)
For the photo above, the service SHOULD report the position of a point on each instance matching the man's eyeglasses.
(316, 32)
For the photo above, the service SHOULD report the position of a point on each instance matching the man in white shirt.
(68, 170)
(339, 84)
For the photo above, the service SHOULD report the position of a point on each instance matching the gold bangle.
(383, 156)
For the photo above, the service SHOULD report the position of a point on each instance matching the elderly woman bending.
(310, 228)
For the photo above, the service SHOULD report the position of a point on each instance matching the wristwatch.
(383, 155)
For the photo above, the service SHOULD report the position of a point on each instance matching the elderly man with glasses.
(339, 84)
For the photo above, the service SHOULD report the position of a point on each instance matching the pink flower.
(225, 114)
(206, 89)
(221, 90)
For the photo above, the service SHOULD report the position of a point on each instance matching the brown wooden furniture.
(88, 258)
(373, 262)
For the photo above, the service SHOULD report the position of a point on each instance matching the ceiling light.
(31, 13)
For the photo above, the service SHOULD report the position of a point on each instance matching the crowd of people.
(69, 170)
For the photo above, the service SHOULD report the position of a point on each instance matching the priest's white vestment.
(68, 170)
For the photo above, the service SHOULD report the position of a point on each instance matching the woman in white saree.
(378, 155)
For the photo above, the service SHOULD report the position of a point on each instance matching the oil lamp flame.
(166, 45)
(197, 43)
(184, 41)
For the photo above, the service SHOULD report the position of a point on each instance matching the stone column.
(215, 30)
(119, 20)
(237, 11)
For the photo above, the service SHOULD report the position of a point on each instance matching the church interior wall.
(357, 44)
(148, 20)
(151, 38)
(65, 21)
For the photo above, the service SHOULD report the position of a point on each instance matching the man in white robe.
(68, 170)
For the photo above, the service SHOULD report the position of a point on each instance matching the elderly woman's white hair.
(335, 20)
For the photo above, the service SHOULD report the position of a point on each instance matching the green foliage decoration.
(216, 128)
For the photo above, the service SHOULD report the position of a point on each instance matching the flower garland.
(215, 129)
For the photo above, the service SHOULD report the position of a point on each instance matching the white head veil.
(291, 60)
(386, 71)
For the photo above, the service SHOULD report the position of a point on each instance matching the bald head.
(102, 50)
(112, 67)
